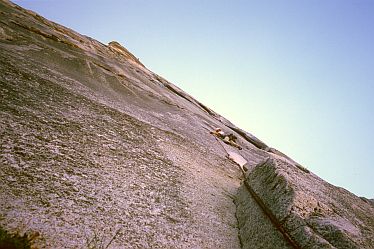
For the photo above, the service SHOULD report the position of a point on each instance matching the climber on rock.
(228, 139)
(218, 133)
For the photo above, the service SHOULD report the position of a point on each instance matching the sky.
(299, 74)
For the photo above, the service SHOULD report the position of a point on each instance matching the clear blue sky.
(297, 74)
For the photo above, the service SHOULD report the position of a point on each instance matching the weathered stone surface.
(93, 143)
(256, 230)
(115, 46)
(314, 213)
(95, 147)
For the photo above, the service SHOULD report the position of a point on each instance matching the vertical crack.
(237, 222)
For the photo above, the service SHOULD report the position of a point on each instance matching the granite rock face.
(314, 213)
(98, 150)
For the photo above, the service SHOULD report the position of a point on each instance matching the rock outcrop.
(116, 47)
(97, 150)
(312, 212)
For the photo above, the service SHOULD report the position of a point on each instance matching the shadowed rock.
(313, 213)
(98, 150)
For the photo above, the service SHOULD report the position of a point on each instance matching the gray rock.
(313, 213)
(97, 149)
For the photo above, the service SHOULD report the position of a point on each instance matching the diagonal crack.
(272, 217)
